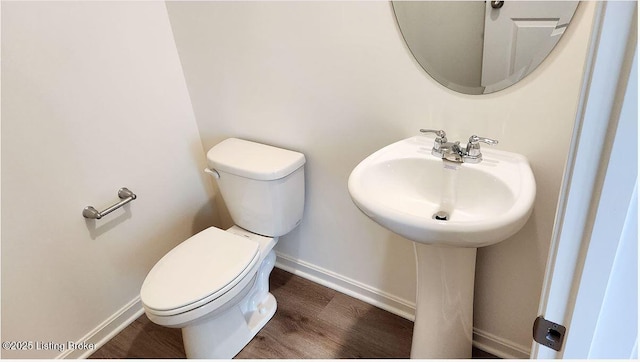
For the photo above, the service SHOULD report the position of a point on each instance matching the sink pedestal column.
(444, 307)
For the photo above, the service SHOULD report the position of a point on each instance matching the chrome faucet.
(453, 152)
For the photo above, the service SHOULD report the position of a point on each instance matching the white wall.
(335, 81)
(93, 99)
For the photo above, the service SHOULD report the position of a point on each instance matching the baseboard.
(485, 341)
(106, 330)
(350, 287)
(499, 346)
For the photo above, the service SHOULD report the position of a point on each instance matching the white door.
(519, 35)
(592, 272)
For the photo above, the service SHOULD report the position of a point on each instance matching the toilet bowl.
(215, 285)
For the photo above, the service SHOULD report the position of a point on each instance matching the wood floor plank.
(311, 321)
(143, 339)
(295, 331)
(369, 331)
(290, 337)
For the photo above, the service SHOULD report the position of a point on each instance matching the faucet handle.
(473, 154)
(442, 136)
(439, 142)
(475, 139)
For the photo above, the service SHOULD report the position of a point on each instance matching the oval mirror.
(480, 47)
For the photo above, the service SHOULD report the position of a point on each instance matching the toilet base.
(227, 334)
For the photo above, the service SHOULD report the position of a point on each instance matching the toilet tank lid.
(253, 160)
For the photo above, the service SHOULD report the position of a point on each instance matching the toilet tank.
(262, 186)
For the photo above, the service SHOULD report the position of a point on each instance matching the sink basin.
(402, 186)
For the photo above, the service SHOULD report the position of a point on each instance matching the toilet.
(215, 285)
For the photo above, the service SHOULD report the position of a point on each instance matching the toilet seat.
(198, 271)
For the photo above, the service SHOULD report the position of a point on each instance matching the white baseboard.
(350, 287)
(106, 330)
(499, 346)
(485, 341)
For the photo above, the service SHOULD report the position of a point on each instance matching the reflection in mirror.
(475, 48)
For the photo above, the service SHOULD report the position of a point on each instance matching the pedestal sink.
(448, 210)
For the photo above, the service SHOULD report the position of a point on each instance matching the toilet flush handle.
(213, 173)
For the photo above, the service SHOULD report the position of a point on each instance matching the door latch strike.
(548, 333)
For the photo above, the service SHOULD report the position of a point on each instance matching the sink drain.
(441, 215)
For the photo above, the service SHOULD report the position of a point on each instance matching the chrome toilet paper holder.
(125, 195)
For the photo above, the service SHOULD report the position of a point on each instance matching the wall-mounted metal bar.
(124, 194)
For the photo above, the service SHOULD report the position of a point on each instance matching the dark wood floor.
(312, 321)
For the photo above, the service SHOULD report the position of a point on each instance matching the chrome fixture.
(472, 153)
(497, 4)
(453, 152)
(124, 194)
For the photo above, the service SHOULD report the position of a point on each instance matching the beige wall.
(93, 99)
(335, 81)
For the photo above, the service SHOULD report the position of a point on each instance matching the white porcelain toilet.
(215, 285)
